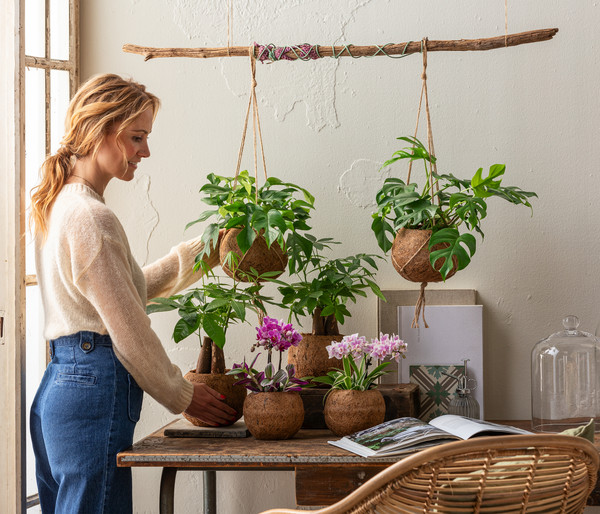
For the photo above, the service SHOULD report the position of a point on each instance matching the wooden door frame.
(12, 259)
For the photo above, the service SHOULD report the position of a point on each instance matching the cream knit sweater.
(90, 281)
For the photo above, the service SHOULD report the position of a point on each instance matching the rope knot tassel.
(420, 308)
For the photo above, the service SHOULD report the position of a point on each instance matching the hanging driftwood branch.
(316, 51)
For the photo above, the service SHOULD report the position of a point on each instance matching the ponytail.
(55, 171)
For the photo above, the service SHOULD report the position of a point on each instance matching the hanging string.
(252, 103)
(420, 305)
(430, 146)
(229, 26)
(506, 23)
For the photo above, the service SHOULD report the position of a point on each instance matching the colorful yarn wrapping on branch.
(270, 52)
(308, 52)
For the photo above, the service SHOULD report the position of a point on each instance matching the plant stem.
(205, 357)
(324, 325)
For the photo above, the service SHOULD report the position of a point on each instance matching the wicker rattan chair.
(499, 474)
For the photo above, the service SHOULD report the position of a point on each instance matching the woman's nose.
(144, 151)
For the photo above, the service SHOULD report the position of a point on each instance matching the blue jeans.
(83, 414)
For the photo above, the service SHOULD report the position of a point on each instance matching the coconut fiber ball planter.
(310, 357)
(274, 415)
(410, 256)
(259, 256)
(234, 394)
(347, 411)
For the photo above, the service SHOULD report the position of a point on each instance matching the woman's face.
(133, 143)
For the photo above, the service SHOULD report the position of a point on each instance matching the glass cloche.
(565, 379)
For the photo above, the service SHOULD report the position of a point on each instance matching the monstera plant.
(439, 218)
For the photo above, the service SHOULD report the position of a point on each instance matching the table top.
(307, 448)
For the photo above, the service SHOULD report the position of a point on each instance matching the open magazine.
(406, 435)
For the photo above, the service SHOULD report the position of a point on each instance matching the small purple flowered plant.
(355, 348)
(271, 335)
(276, 335)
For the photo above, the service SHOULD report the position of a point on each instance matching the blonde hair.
(101, 104)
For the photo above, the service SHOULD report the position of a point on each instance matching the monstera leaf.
(461, 246)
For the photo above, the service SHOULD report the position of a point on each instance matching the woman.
(103, 350)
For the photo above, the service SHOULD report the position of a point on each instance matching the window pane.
(35, 28)
(35, 141)
(59, 101)
(36, 363)
(59, 29)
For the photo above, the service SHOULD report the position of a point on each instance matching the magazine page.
(466, 427)
(392, 436)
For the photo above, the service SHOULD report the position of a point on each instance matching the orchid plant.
(271, 335)
(354, 347)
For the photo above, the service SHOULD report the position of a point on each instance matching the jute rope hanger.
(420, 305)
(310, 52)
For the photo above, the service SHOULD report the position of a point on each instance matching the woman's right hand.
(208, 406)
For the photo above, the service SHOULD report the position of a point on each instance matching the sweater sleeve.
(175, 271)
(106, 282)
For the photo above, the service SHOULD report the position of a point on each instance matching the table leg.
(167, 491)
(210, 492)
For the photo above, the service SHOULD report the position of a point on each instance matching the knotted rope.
(252, 102)
(420, 305)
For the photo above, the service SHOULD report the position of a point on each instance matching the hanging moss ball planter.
(259, 257)
(410, 256)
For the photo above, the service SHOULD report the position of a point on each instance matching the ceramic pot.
(410, 256)
(273, 415)
(310, 358)
(259, 256)
(234, 395)
(348, 411)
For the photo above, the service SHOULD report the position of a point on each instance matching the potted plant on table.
(324, 289)
(212, 308)
(352, 403)
(430, 231)
(262, 223)
(273, 409)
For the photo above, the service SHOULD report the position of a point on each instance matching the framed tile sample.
(435, 387)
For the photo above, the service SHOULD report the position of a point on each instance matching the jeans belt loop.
(51, 348)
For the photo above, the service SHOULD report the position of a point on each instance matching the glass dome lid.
(570, 334)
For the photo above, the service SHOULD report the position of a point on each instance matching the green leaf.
(161, 305)
(214, 330)
(480, 185)
(381, 229)
(183, 329)
(245, 238)
(458, 244)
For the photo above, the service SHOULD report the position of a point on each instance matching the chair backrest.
(499, 474)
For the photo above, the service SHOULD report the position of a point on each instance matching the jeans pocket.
(134, 399)
(75, 379)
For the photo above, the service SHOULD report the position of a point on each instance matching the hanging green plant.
(270, 219)
(450, 208)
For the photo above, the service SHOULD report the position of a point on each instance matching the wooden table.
(308, 454)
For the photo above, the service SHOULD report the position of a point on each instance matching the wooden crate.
(401, 400)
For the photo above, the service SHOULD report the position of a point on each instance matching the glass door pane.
(59, 29)
(35, 143)
(35, 28)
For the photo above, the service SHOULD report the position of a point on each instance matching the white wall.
(329, 124)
